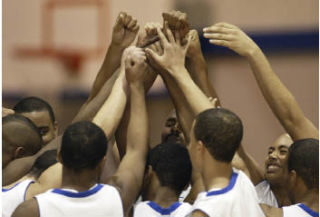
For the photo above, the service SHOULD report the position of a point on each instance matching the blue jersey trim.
(25, 192)
(308, 210)
(8, 189)
(78, 194)
(226, 189)
(164, 211)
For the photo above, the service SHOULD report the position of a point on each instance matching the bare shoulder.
(271, 211)
(28, 208)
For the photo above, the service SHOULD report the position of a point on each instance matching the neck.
(80, 181)
(216, 174)
(165, 196)
(310, 199)
(281, 195)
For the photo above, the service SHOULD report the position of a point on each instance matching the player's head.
(43, 162)
(276, 163)
(83, 147)
(303, 166)
(20, 138)
(171, 131)
(41, 114)
(168, 165)
(219, 132)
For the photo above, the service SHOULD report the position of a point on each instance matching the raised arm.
(172, 61)
(124, 32)
(128, 178)
(197, 67)
(279, 98)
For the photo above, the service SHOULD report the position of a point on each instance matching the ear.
(102, 162)
(292, 178)
(55, 127)
(200, 146)
(19, 152)
(59, 158)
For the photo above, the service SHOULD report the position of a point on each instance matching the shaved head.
(20, 133)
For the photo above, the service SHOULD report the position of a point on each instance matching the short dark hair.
(26, 134)
(171, 163)
(83, 146)
(220, 130)
(43, 162)
(304, 159)
(30, 104)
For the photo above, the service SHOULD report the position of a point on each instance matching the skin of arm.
(279, 98)
(124, 33)
(150, 77)
(20, 167)
(196, 65)
(128, 178)
(28, 208)
(270, 211)
(172, 61)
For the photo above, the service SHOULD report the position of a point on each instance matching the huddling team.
(103, 164)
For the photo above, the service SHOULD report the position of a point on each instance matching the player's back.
(238, 199)
(100, 200)
(151, 209)
(12, 197)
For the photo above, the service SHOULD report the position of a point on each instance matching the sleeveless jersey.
(265, 194)
(151, 209)
(12, 197)
(298, 210)
(238, 199)
(99, 201)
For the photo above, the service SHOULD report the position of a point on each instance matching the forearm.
(121, 132)
(184, 113)
(198, 69)
(110, 64)
(256, 173)
(138, 123)
(195, 97)
(110, 114)
(90, 108)
(279, 98)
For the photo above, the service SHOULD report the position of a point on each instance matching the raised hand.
(174, 52)
(195, 46)
(124, 30)
(177, 22)
(135, 65)
(149, 35)
(230, 36)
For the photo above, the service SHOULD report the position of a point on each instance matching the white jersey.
(265, 194)
(99, 201)
(238, 199)
(298, 210)
(151, 209)
(184, 194)
(12, 197)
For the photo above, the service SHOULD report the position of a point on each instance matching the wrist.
(254, 51)
(116, 47)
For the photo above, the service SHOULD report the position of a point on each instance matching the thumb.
(119, 22)
(152, 55)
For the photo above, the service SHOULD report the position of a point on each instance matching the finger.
(187, 44)
(152, 55)
(218, 36)
(219, 42)
(127, 19)
(218, 29)
(226, 25)
(120, 21)
(177, 36)
(135, 28)
(169, 33)
(162, 37)
(132, 23)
